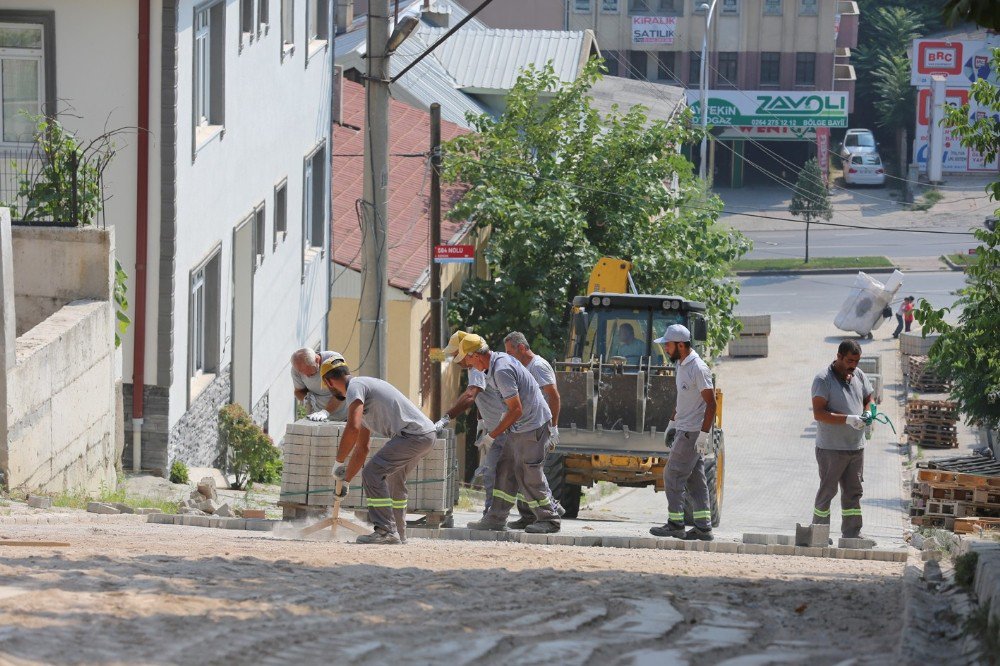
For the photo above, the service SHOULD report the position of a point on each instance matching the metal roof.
(491, 59)
(661, 101)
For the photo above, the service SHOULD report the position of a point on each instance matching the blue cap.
(675, 333)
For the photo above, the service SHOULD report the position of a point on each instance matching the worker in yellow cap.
(374, 405)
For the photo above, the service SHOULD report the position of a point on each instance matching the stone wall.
(261, 411)
(156, 401)
(195, 438)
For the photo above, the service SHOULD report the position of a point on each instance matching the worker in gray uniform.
(526, 422)
(320, 403)
(840, 396)
(516, 345)
(692, 424)
(377, 406)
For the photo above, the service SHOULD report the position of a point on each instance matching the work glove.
(704, 442)
(856, 422)
(553, 438)
(442, 423)
(671, 431)
(339, 470)
(342, 493)
(485, 441)
(321, 415)
(479, 473)
(481, 426)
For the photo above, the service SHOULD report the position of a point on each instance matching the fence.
(23, 170)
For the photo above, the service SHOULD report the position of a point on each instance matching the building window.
(805, 69)
(727, 70)
(770, 68)
(730, 7)
(637, 65)
(287, 27)
(22, 78)
(669, 7)
(807, 7)
(611, 62)
(259, 223)
(694, 68)
(280, 212)
(666, 67)
(316, 24)
(203, 324)
(314, 199)
(608, 6)
(581, 6)
(209, 70)
(263, 16)
(772, 7)
(247, 19)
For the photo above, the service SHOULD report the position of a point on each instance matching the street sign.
(772, 108)
(823, 151)
(961, 61)
(454, 254)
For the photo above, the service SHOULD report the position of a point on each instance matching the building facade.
(220, 201)
(787, 47)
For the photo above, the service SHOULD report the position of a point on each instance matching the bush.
(250, 453)
(965, 569)
(179, 472)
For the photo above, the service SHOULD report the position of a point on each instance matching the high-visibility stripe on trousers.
(384, 480)
(520, 469)
(685, 475)
(843, 471)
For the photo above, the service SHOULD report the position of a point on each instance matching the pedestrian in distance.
(310, 390)
(374, 405)
(840, 396)
(691, 424)
(904, 316)
(526, 423)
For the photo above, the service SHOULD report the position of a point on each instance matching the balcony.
(842, 56)
(849, 17)
(843, 81)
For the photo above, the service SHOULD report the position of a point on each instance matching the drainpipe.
(141, 237)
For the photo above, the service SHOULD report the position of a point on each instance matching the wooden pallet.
(957, 478)
(973, 465)
(934, 410)
(940, 522)
(972, 525)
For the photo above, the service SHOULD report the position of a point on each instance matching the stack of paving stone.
(960, 494)
(915, 344)
(753, 336)
(932, 424)
(923, 378)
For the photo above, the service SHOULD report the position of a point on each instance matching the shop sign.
(654, 29)
(768, 108)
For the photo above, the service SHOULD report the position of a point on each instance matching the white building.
(233, 191)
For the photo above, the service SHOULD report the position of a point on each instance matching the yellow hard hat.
(453, 342)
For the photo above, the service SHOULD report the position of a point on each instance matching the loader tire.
(567, 494)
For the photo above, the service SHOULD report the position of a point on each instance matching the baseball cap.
(453, 343)
(675, 333)
(329, 364)
(470, 344)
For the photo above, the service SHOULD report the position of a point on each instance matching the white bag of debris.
(862, 311)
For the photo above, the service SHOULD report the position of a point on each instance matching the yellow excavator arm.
(610, 276)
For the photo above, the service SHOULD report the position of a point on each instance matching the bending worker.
(840, 394)
(516, 345)
(377, 406)
(526, 422)
(692, 423)
(310, 390)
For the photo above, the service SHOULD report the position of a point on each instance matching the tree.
(555, 186)
(968, 353)
(896, 101)
(811, 199)
(982, 12)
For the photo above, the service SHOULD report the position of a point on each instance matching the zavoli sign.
(772, 108)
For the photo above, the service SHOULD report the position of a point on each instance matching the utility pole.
(372, 314)
(435, 267)
(703, 85)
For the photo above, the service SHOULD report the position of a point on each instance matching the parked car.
(857, 142)
(864, 169)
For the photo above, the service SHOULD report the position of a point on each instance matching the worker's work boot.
(668, 531)
(380, 536)
(542, 527)
(488, 525)
(698, 534)
(521, 522)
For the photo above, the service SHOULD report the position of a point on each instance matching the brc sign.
(960, 61)
(940, 57)
(760, 108)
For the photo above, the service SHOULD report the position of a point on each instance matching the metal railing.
(22, 170)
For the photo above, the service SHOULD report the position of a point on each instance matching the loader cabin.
(619, 329)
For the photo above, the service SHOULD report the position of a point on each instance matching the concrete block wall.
(61, 402)
(195, 438)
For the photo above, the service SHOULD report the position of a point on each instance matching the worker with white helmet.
(310, 390)
(692, 424)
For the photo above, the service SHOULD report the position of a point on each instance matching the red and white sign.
(961, 61)
(823, 151)
(454, 254)
(939, 57)
(953, 97)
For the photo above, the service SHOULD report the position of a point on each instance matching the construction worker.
(516, 345)
(310, 390)
(526, 423)
(840, 395)
(692, 425)
(377, 406)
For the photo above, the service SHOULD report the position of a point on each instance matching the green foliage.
(811, 199)
(79, 498)
(122, 320)
(981, 12)
(556, 186)
(251, 455)
(965, 569)
(929, 198)
(179, 472)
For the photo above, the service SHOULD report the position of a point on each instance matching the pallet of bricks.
(307, 485)
(932, 424)
(753, 336)
(958, 494)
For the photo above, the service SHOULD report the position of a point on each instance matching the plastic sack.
(862, 311)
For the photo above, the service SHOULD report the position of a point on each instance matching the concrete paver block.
(39, 502)
(856, 543)
(122, 507)
(727, 547)
(780, 549)
(484, 535)
(615, 542)
(670, 544)
(753, 549)
(455, 533)
(588, 541)
(198, 521)
(422, 532)
(809, 551)
(768, 539)
(696, 546)
(257, 525)
(836, 553)
(537, 539)
(643, 542)
(561, 540)
(812, 535)
(147, 511)
(234, 524)
(100, 507)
